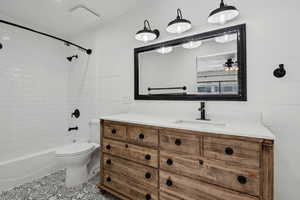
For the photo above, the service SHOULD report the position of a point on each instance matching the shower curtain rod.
(88, 51)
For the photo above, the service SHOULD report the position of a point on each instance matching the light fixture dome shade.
(179, 25)
(226, 38)
(164, 50)
(223, 14)
(192, 44)
(147, 34)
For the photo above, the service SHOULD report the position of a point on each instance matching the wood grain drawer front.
(235, 151)
(115, 131)
(239, 179)
(143, 136)
(189, 189)
(138, 173)
(142, 155)
(180, 142)
(166, 196)
(132, 189)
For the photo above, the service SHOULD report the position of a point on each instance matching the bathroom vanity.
(147, 157)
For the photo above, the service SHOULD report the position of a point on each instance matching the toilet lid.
(76, 148)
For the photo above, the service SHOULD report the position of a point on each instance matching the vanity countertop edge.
(241, 128)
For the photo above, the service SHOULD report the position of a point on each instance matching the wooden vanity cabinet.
(145, 162)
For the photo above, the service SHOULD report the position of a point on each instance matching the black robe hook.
(280, 71)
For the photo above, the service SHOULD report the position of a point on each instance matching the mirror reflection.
(195, 67)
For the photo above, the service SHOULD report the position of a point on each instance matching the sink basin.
(200, 123)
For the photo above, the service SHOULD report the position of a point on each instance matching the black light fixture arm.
(146, 22)
(222, 4)
(179, 13)
(88, 51)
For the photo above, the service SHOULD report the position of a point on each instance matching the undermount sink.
(200, 123)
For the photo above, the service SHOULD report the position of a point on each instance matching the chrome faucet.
(202, 111)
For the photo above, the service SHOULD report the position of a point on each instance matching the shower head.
(70, 58)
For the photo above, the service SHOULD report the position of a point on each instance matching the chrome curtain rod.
(88, 51)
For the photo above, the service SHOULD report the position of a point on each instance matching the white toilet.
(76, 157)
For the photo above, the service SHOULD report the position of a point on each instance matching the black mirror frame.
(242, 73)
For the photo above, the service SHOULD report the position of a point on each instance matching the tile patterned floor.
(52, 188)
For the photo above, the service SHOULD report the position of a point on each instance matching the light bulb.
(222, 19)
(145, 38)
(179, 30)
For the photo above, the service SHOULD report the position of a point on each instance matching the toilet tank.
(94, 131)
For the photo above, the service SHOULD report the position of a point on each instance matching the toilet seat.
(75, 149)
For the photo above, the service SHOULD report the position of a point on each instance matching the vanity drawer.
(138, 173)
(142, 155)
(180, 142)
(143, 136)
(237, 152)
(115, 131)
(239, 179)
(127, 187)
(189, 189)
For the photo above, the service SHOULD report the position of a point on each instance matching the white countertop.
(237, 128)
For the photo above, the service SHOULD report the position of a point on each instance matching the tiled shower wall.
(33, 94)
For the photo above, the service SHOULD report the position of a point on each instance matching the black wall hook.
(76, 113)
(280, 71)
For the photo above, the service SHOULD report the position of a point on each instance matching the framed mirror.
(206, 66)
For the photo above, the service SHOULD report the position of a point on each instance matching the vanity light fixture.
(226, 38)
(147, 34)
(192, 44)
(223, 14)
(179, 25)
(165, 50)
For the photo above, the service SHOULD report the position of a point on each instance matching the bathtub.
(26, 168)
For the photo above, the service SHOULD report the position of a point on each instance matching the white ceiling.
(54, 15)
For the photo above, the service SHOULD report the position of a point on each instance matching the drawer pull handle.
(169, 182)
(108, 162)
(170, 162)
(229, 151)
(108, 179)
(147, 175)
(178, 142)
(242, 179)
(147, 157)
(141, 136)
(201, 162)
(113, 131)
(148, 197)
(126, 146)
(108, 147)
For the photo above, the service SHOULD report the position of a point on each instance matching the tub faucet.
(202, 111)
(73, 129)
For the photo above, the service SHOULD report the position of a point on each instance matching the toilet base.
(76, 175)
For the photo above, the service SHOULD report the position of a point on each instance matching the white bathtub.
(26, 168)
